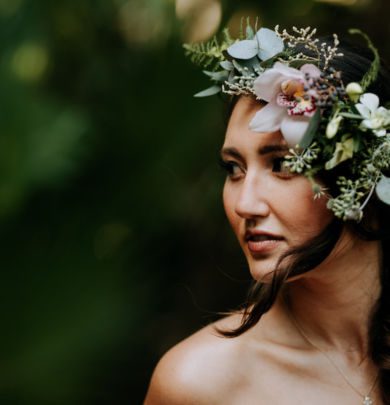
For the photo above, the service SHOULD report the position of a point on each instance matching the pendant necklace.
(367, 400)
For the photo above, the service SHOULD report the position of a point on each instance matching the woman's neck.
(334, 302)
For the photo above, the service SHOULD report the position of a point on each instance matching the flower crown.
(323, 121)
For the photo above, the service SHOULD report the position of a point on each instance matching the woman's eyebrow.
(263, 150)
(231, 152)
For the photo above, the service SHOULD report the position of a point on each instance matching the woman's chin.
(262, 271)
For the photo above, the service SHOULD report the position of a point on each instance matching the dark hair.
(374, 226)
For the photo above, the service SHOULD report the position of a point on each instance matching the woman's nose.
(252, 200)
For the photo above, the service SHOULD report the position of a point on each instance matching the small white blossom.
(376, 118)
(354, 91)
(333, 126)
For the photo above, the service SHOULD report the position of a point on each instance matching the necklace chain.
(367, 399)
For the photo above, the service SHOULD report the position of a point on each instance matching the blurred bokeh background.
(113, 241)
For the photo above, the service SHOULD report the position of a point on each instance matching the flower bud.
(333, 126)
(354, 90)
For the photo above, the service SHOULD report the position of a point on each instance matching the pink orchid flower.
(291, 102)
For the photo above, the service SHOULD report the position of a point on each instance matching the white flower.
(290, 107)
(333, 126)
(375, 118)
(354, 90)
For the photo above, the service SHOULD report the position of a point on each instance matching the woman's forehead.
(238, 132)
(253, 140)
(245, 108)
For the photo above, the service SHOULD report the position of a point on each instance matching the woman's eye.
(279, 166)
(232, 168)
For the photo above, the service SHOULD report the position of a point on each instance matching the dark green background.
(114, 244)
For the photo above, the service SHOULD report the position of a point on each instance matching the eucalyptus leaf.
(311, 130)
(246, 49)
(251, 63)
(270, 43)
(208, 92)
(217, 76)
(238, 66)
(271, 61)
(227, 65)
(231, 77)
(383, 189)
(249, 32)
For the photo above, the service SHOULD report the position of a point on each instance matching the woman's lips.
(263, 246)
(261, 241)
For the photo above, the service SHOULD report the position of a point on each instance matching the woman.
(316, 327)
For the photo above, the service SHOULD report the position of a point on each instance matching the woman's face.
(270, 209)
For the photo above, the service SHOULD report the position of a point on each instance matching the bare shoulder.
(199, 369)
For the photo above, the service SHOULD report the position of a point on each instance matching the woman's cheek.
(229, 199)
(313, 212)
(226, 200)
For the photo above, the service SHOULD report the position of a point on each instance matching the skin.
(260, 195)
(273, 362)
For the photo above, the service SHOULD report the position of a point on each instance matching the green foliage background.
(113, 241)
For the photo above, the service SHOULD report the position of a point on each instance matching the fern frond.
(206, 54)
(246, 29)
(256, 23)
(372, 73)
(241, 35)
(227, 39)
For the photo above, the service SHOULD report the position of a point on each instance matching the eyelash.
(279, 161)
(229, 166)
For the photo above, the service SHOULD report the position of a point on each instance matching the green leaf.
(246, 49)
(383, 189)
(311, 130)
(269, 42)
(227, 65)
(220, 76)
(241, 35)
(271, 61)
(372, 73)
(208, 92)
(356, 144)
(353, 116)
(343, 151)
(298, 63)
(238, 66)
(251, 64)
(231, 77)
(208, 53)
(249, 32)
